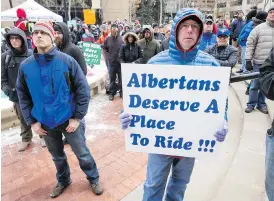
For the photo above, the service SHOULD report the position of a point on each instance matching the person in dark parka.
(130, 52)
(10, 62)
(266, 80)
(64, 44)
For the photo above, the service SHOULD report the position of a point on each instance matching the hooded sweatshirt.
(69, 48)
(10, 62)
(176, 56)
(150, 46)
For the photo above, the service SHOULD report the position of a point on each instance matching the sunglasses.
(223, 36)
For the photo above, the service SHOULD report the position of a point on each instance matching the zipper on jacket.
(52, 85)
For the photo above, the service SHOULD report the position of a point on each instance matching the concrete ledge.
(96, 79)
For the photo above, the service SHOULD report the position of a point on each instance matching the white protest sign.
(176, 109)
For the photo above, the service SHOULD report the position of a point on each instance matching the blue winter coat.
(207, 40)
(176, 56)
(235, 28)
(52, 88)
(245, 33)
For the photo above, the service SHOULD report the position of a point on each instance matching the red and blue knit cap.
(47, 27)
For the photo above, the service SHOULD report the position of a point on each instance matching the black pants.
(26, 132)
(115, 70)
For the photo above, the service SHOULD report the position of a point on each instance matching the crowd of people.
(51, 94)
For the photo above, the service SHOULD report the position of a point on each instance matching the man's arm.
(157, 50)
(267, 76)
(122, 54)
(251, 44)
(80, 88)
(24, 97)
(79, 57)
(4, 75)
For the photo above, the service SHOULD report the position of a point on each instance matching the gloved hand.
(221, 133)
(125, 120)
(249, 66)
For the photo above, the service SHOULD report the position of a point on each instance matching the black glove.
(249, 66)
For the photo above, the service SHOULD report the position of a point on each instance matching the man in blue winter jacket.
(54, 96)
(183, 49)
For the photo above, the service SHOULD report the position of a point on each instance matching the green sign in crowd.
(92, 53)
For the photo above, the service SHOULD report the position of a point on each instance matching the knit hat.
(270, 9)
(115, 25)
(261, 15)
(21, 13)
(46, 27)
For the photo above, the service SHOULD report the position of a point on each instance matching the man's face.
(114, 31)
(126, 28)
(156, 29)
(241, 15)
(221, 22)
(208, 27)
(188, 34)
(147, 34)
(222, 40)
(58, 38)
(15, 41)
(270, 16)
(41, 39)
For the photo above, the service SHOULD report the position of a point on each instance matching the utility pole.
(161, 11)
(66, 10)
(11, 4)
(179, 5)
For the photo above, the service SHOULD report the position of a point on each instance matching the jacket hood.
(130, 33)
(65, 31)
(257, 21)
(174, 49)
(22, 35)
(151, 31)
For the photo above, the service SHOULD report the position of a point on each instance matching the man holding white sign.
(179, 93)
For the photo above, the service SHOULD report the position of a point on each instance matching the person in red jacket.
(22, 23)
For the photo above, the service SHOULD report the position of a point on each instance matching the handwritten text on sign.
(92, 53)
(176, 109)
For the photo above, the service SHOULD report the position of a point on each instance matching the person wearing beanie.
(235, 30)
(10, 61)
(183, 50)
(259, 43)
(54, 96)
(224, 53)
(250, 15)
(258, 19)
(111, 48)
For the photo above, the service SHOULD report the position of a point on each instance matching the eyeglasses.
(14, 38)
(193, 26)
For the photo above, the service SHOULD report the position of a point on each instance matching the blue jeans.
(77, 142)
(243, 58)
(158, 169)
(256, 97)
(269, 168)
